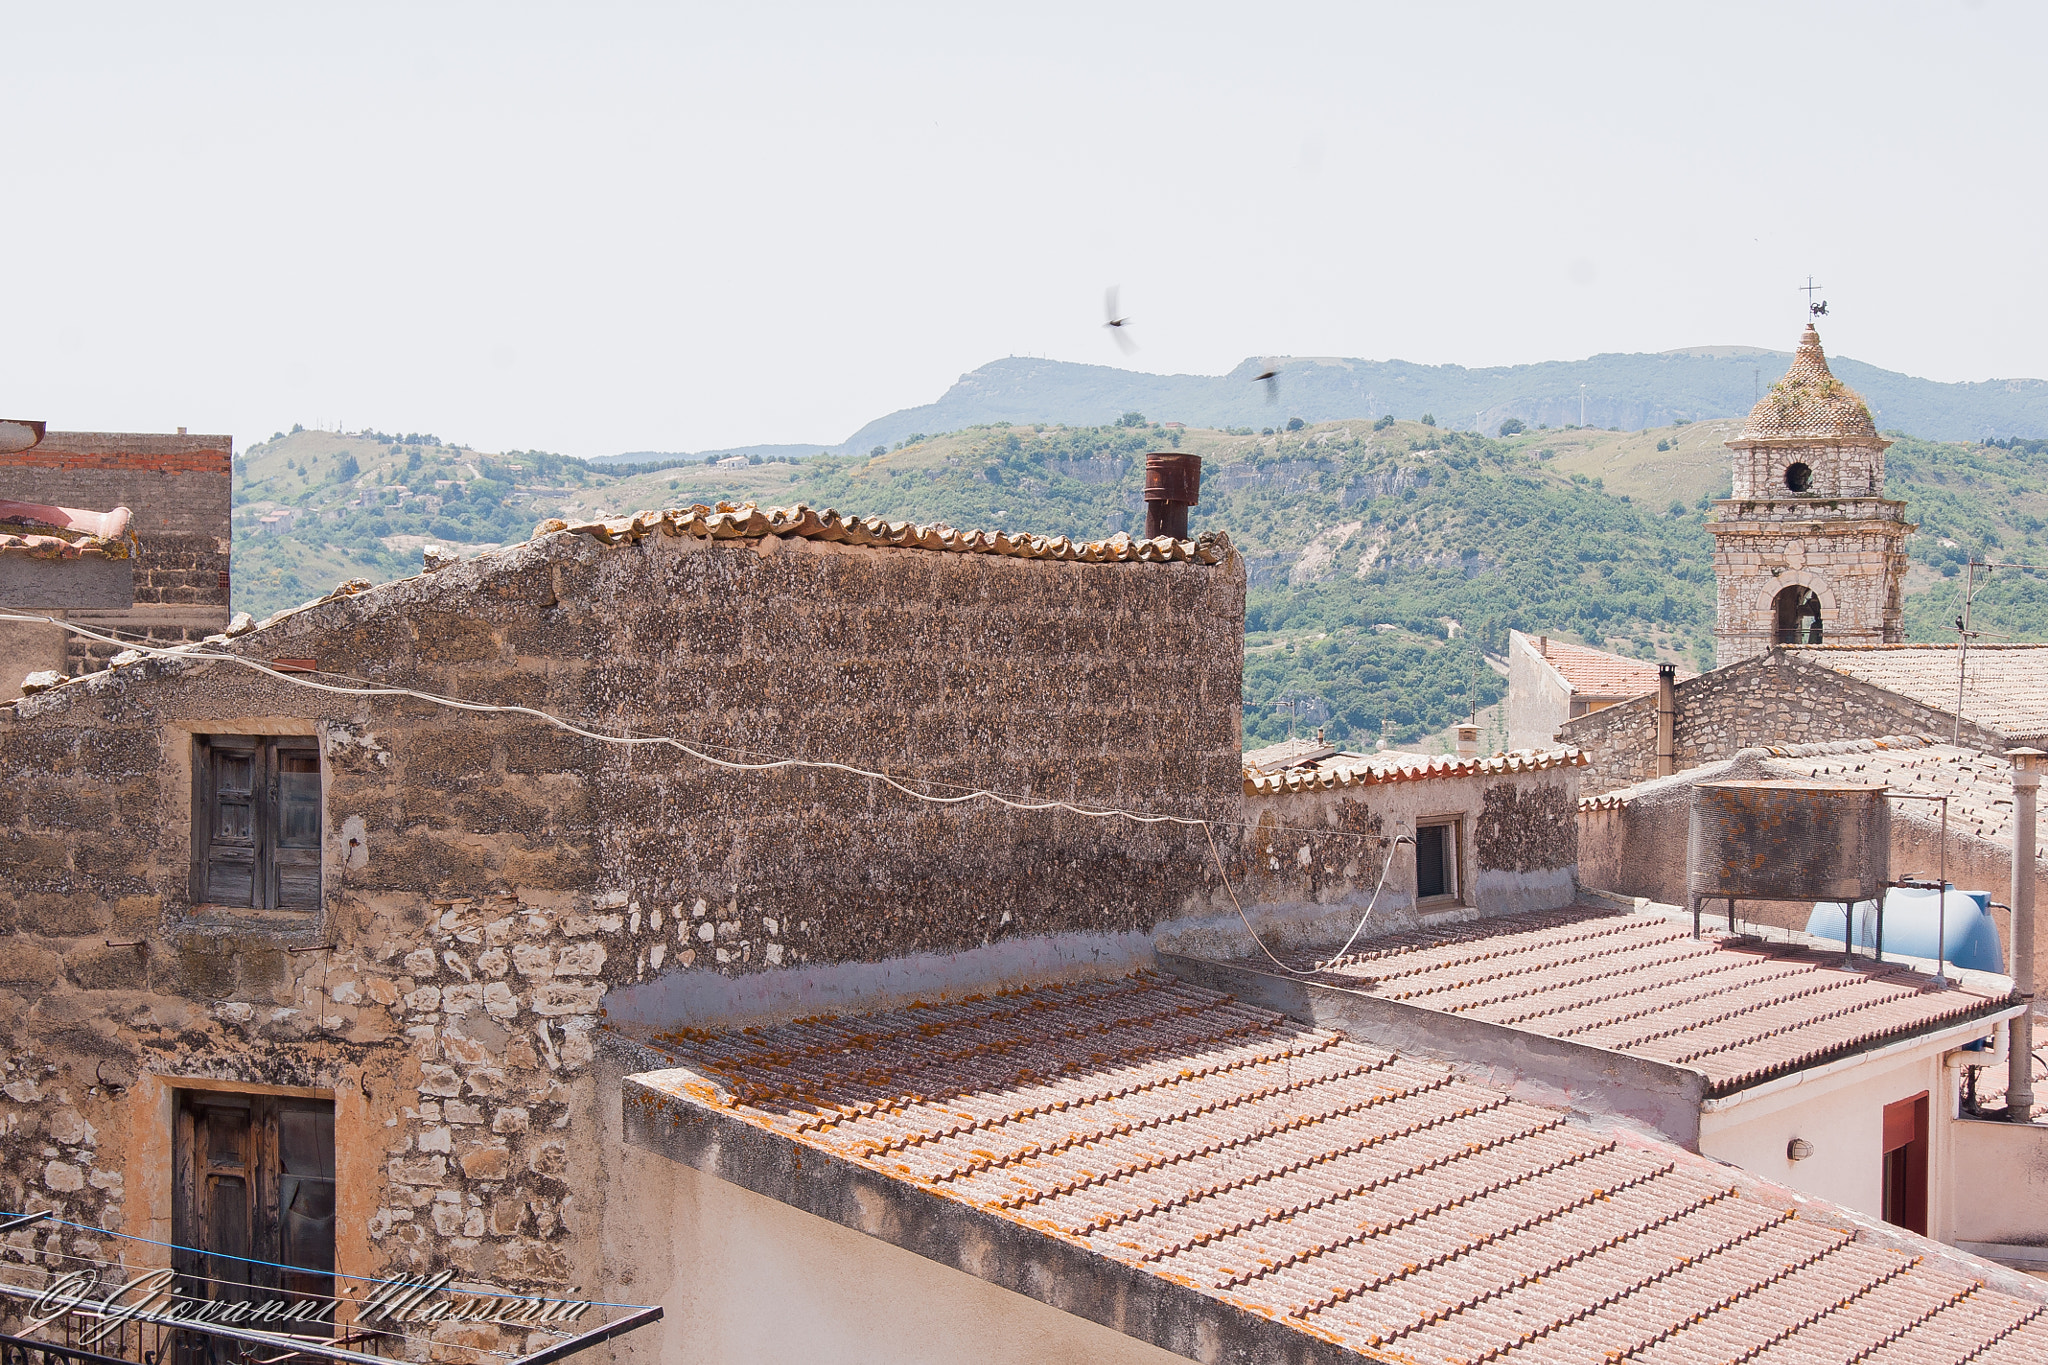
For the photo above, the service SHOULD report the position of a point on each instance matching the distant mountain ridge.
(1627, 392)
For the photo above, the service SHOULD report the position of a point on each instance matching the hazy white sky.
(594, 228)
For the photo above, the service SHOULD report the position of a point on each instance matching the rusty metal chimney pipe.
(2026, 786)
(1667, 721)
(1173, 484)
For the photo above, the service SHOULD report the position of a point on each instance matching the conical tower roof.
(1809, 403)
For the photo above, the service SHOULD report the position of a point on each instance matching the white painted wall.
(1539, 699)
(2000, 1175)
(1842, 1114)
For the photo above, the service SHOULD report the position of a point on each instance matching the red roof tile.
(1293, 1176)
(733, 521)
(1808, 403)
(1596, 673)
(1734, 1008)
(1364, 770)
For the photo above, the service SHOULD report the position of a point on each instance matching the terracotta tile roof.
(1596, 673)
(43, 532)
(1809, 403)
(1289, 1176)
(1364, 770)
(1738, 1010)
(1288, 753)
(2005, 687)
(731, 521)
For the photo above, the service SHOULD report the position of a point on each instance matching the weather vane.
(1819, 310)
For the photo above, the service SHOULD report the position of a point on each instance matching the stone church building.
(1807, 549)
(1810, 568)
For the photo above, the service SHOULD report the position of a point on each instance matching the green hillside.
(1386, 560)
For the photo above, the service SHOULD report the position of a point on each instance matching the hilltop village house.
(1809, 565)
(161, 575)
(414, 927)
(1633, 841)
(344, 958)
(1553, 681)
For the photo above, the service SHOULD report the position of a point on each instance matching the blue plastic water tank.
(1910, 916)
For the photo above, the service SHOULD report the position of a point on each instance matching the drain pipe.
(2026, 785)
(1173, 484)
(1667, 721)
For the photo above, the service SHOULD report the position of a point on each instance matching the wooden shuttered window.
(256, 822)
(252, 1204)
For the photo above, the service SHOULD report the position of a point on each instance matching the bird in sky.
(1116, 324)
(1271, 379)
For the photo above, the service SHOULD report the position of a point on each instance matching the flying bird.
(1271, 379)
(1116, 324)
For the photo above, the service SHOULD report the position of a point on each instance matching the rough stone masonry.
(487, 878)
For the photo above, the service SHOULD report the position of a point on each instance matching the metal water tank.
(1788, 839)
(1914, 917)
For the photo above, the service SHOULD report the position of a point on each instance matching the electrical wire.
(300, 679)
(368, 689)
(1319, 967)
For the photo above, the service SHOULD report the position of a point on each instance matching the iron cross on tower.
(1819, 310)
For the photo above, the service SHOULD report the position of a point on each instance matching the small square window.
(1436, 861)
(256, 822)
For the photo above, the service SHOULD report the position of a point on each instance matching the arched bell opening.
(1797, 610)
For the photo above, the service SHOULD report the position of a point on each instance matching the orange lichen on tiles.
(730, 521)
(1386, 1205)
(1735, 1008)
(1362, 770)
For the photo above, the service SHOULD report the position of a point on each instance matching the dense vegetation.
(1386, 560)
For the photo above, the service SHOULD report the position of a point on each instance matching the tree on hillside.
(1512, 427)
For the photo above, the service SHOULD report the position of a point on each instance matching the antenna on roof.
(1963, 637)
(1819, 310)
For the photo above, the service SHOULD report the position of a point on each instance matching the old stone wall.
(1769, 699)
(1839, 467)
(489, 879)
(179, 489)
(1517, 842)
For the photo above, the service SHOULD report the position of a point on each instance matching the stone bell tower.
(1807, 549)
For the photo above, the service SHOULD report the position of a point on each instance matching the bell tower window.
(1799, 477)
(1798, 617)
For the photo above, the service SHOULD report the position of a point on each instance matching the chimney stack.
(1468, 741)
(1667, 720)
(2026, 786)
(1173, 484)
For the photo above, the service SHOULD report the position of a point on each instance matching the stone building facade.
(177, 488)
(1807, 549)
(506, 912)
(1793, 696)
(488, 883)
